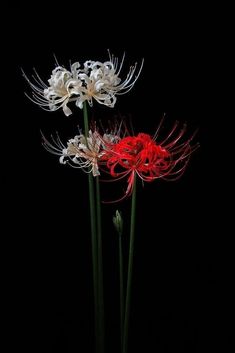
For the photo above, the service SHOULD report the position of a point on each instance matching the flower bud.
(118, 222)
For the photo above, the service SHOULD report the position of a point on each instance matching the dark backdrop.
(181, 294)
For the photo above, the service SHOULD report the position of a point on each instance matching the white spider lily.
(101, 81)
(64, 87)
(95, 80)
(80, 152)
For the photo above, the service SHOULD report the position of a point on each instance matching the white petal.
(79, 102)
(66, 110)
(62, 161)
(95, 170)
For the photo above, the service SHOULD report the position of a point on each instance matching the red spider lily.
(149, 159)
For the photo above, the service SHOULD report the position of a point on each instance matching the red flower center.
(139, 153)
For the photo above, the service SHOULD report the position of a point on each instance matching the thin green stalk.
(85, 119)
(100, 269)
(118, 224)
(93, 232)
(130, 269)
(93, 240)
(121, 289)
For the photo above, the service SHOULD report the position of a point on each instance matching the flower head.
(63, 88)
(142, 155)
(91, 81)
(81, 152)
(102, 83)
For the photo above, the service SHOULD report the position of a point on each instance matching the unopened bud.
(118, 222)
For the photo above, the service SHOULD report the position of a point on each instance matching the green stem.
(100, 269)
(85, 119)
(130, 269)
(121, 289)
(93, 232)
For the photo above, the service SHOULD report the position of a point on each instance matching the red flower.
(149, 159)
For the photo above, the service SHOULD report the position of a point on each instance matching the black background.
(181, 298)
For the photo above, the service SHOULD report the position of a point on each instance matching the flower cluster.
(115, 152)
(93, 80)
(120, 156)
(140, 155)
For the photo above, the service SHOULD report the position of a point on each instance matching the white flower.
(95, 80)
(101, 81)
(81, 152)
(64, 86)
